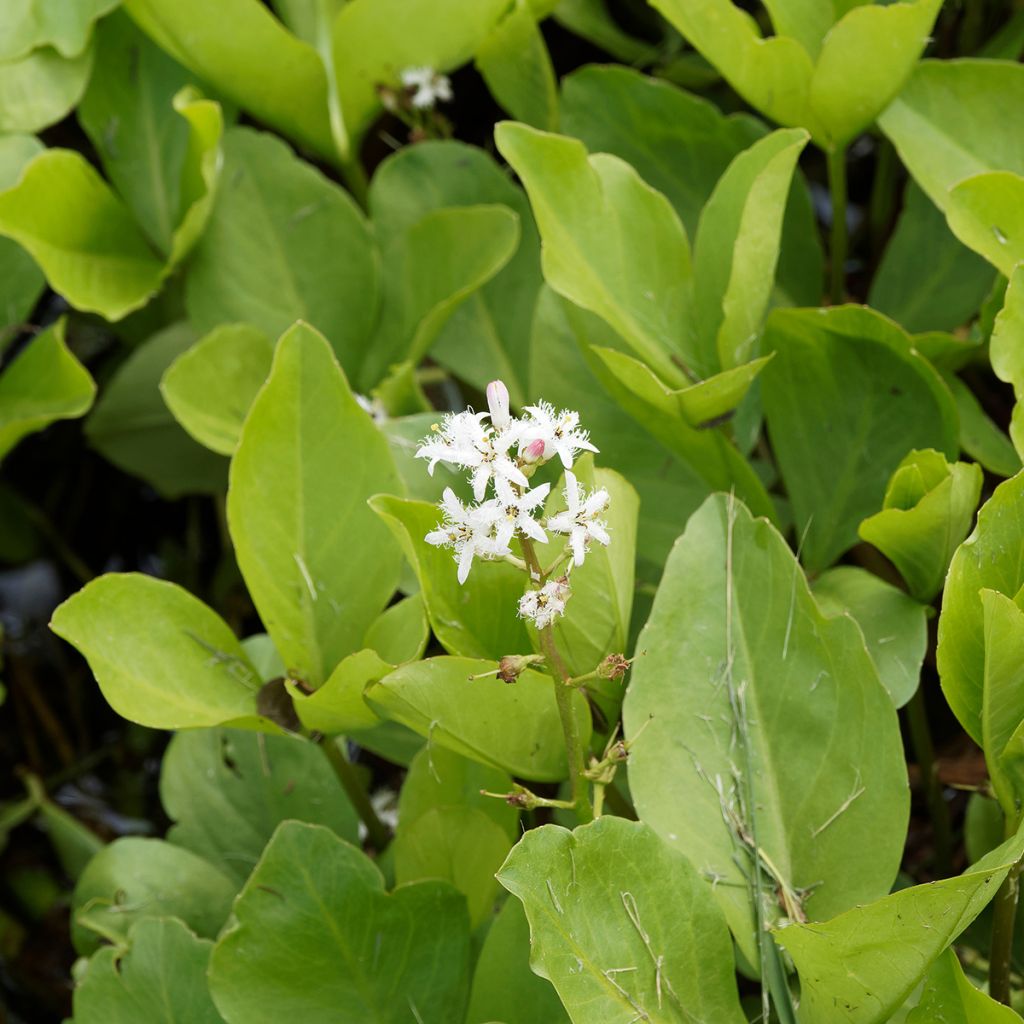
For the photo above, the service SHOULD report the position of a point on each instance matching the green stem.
(1003, 920)
(883, 196)
(924, 751)
(378, 832)
(837, 188)
(356, 182)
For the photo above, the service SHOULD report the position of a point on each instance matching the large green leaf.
(161, 657)
(41, 88)
(514, 727)
(476, 619)
(284, 244)
(612, 244)
(949, 997)
(606, 937)
(258, 64)
(488, 336)
(160, 976)
(992, 557)
(227, 791)
(320, 566)
(737, 247)
(1007, 351)
(846, 397)
(133, 879)
(43, 383)
(745, 681)
(134, 429)
(27, 25)
(81, 235)
(859, 967)
(985, 213)
(316, 937)
(927, 511)
(211, 386)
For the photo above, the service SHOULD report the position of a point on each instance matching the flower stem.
(924, 751)
(1003, 920)
(378, 832)
(837, 187)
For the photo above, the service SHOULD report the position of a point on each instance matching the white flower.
(427, 86)
(497, 404)
(560, 432)
(517, 512)
(453, 439)
(545, 605)
(469, 529)
(579, 520)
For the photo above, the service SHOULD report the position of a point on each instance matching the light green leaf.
(846, 398)
(228, 790)
(504, 966)
(476, 619)
(81, 235)
(895, 626)
(992, 557)
(1007, 351)
(461, 845)
(21, 281)
(161, 657)
(860, 966)
(160, 976)
(927, 280)
(315, 908)
(284, 244)
(514, 62)
(27, 25)
(400, 633)
(980, 437)
(134, 429)
(736, 250)
(927, 511)
(745, 680)
(603, 933)
(338, 705)
(41, 88)
(133, 879)
(611, 243)
(984, 212)
(210, 387)
(259, 65)
(511, 727)
(488, 335)
(308, 460)
(948, 996)
(42, 384)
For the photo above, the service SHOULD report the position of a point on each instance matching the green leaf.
(612, 244)
(21, 281)
(895, 626)
(488, 335)
(160, 976)
(476, 619)
(927, 511)
(284, 244)
(861, 966)
(682, 145)
(935, 294)
(27, 25)
(514, 62)
(211, 386)
(745, 680)
(315, 910)
(504, 966)
(736, 250)
(461, 845)
(81, 235)
(948, 996)
(603, 933)
(846, 398)
(1007, 351)
(338, 705)
(992, 557)
(980, 437)
(320, 566)
(511, 727)
(133, 879)
(42, 384)
(261, 67)
(134, 429)
(985, 213)
(228, 790)
(161, 657)
(41, 88)
(401, 632)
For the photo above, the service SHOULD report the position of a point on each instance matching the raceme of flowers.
(500, 453)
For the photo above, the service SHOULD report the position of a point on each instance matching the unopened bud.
(533, 452)
(512, 666)
(497, 404)
(613, 667)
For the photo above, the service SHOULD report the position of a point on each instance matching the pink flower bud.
(497, 403)
(534, 451)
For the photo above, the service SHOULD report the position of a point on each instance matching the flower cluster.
(426, 87)
(501, 452)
